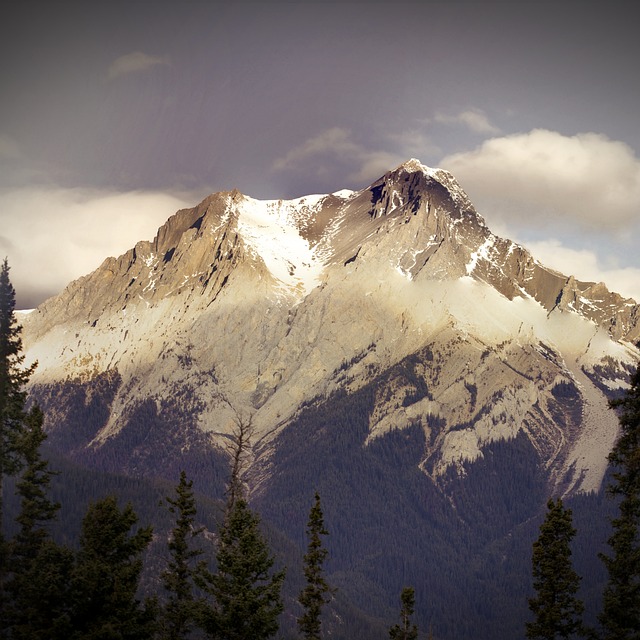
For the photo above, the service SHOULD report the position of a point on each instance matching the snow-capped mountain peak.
(242, 306)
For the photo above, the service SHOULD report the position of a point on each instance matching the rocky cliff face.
(247, 308)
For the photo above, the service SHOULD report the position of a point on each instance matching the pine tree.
(43, 600)
(620, 616)
(239, 449)
(317, 592)
(405, 630)
(38, 588)
(37, 510)
(246, 593)
(179, 611)
(107, 573)
(557, 610)
(13, 378)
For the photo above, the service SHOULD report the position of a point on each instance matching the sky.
(114, 115)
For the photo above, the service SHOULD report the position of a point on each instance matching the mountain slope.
(243, 307)
(433, 381)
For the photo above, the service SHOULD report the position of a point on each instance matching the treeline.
(556, 607)
(51, 591)
(463, 544)
(155, 440)
(92, 591)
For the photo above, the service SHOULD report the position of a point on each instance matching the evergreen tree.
(40, 569)
(106, 576)
(33, 488)
(620, 616)
(12, 398)
(239, 449)
(12, 379)
(246, 593)
(317, 591)
(405, 630)
(557, 610)
(179, 613)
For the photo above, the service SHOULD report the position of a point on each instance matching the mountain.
(385, 346)
(249, 307)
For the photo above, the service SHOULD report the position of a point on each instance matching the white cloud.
(473, 119)
(544, 177)
(52, 236)
(320, 154)
(586, 266)
(134, 62)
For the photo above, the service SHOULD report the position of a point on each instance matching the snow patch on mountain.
(344, 194)
(482, 252)
(271, 229)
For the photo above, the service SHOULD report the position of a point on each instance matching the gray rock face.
(242, 307)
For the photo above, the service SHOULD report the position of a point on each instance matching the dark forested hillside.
(151, 444)
(464, 543)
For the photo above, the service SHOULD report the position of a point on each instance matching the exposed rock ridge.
(196, 250)
(455, 240)
(444, 238)
(259, 307)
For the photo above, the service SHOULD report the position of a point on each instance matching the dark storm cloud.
(248, 82)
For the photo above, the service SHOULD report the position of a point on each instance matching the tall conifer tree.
(620, 616)
(38, 591)
(557, 610)
(179, 612)
(37, 509)
(317, 592)
(107, 574)
(246, 592)
(13, 377)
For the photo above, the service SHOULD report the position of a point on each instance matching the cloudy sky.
(115, 114)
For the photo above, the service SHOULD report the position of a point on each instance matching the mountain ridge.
(432, 381)
(254, 308)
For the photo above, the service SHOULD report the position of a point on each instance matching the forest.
(345, 541)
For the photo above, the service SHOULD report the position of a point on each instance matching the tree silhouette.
(557, 610)
(38, 607)
(317, 592)
(13, 378)
(179, 611)
(245, 591)
(107, 573)
(620, 615)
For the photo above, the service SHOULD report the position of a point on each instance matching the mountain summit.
(256, 310)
